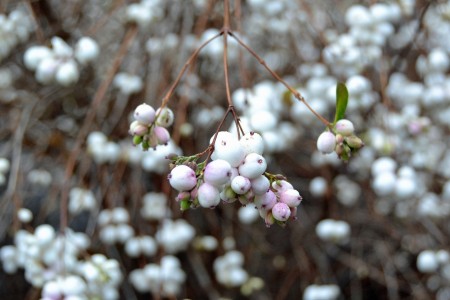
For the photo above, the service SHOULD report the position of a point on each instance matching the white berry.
(182, 178)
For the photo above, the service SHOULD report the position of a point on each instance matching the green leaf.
(341, 101)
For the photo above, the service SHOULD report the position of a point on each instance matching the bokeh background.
(373, 228)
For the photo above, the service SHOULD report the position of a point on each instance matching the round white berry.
(46, 69)
(67, 73)
(241, 185)
(44, 234)
(25, 215)
(260, 185)
(34, 55)
(228, 148)
(344, 127)
(86, 50)
(61, 48)
(217, 172)
(253, 166)
(326, 142)
(318, 186)
(281, 211)
(252, 143)
(165, 117)
(208, 195)
(427, 262)
(182, 178)
(133, 247)
(145, 114)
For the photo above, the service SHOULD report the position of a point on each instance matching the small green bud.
(354, 142)
(185, 205)
(137, 140)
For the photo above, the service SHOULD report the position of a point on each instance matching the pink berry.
(162, 135)
(291, 197)
(217, 172)
(266, 201)
(139, 130)
(281, 212)
(145, 114)
(252, 143)
(253, 166)
(208, 195)
(326, 142)
(182, 178)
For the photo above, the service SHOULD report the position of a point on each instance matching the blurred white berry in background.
(333, 231)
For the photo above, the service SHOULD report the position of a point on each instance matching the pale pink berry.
(252, 143)
(266, 201)
(217, 172)
(162, 135)
(291, 197)
(281, 186)
(208, 195)
(281, 211)
(145, 114)
(326, 142)
(240, 185)
(260, 184)
(165, 117)
(344, 127)
(182, 178)
(139, 129)
(253, 166)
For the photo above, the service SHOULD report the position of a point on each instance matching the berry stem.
(183, 70)
(294, 92)
(98, 97)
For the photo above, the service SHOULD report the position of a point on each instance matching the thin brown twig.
(294, 92)
(183, 70)
(98, 97)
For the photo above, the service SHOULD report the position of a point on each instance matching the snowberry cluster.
(102, 150)
(228, 269)
(145, 12)
(343, 141)
(164, 279)
(141, 245)
(435, 263)
(149, 126)
(51, 262)
(154, 206)
(59, 63)
(14, 29)
(175, 235)
(114, 227)
(4, 168)
(127, 83)
(81, 199)
(237, 172)
(96, 277)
